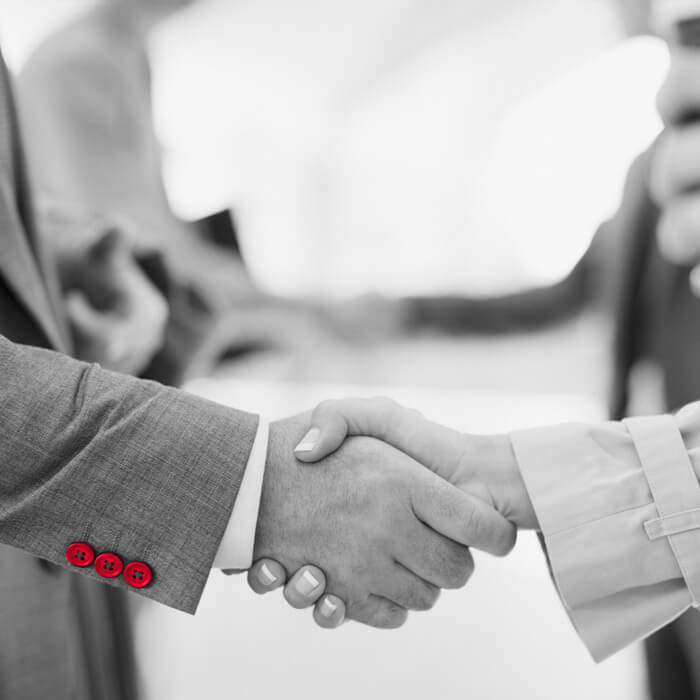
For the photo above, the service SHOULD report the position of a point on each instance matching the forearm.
(618, 505)
(129, 466)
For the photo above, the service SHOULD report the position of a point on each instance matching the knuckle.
(471, 524)
(415, 413)
(425, 598)
(383, 614)
(458, 567)
(415, 598)
(506, 541)
(386, 410)
(389, 616)
(327, 406)
(457, 578)
(383, 402)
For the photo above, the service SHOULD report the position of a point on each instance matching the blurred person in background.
(659, 313)
(85, 94)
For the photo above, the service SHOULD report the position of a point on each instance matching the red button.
(80, 554)
(138, 574)
(108, 565)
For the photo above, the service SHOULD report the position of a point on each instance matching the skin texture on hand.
(369, 517)
(483, 466)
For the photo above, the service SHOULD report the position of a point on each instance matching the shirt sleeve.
(619, 508)
(236, 548)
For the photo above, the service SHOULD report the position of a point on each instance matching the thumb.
(326, 434)
(333, 421)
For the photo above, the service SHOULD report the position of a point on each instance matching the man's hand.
(117, 315)
(674, 177)
(387, 533)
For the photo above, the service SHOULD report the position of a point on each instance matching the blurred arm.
(530, 309)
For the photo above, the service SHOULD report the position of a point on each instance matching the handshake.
(387, 518)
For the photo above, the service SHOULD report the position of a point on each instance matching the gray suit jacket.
(128, 466)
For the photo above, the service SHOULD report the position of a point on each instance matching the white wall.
(402, 145)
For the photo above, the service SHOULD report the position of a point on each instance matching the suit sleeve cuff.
(236, 548)
(619, 575)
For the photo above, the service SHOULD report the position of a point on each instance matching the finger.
(329, 612)
(306, 586)
(429, 443)
(266, 575)
(377, 612)
(678, 97)
(678, 230)
(85, 319)
(675, 165)
(409, 591)
(461, 517)
(437, 560)
(112, 246)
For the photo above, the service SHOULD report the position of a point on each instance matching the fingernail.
(328, 608)
(309, 441)
(265, 576)
(307, 584)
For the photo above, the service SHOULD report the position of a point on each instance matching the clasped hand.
(386, 517)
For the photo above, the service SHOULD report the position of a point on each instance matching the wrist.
(497, 468)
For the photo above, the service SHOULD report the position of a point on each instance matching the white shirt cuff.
(236, 548)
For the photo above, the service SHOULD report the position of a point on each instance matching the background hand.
(117, 315)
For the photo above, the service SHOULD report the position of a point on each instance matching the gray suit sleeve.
(129, 466)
